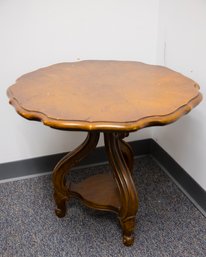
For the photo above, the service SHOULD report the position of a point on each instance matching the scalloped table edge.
(104, 125)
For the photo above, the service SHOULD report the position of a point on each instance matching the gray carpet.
(167, 222)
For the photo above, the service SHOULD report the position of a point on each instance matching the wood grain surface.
(104, 95)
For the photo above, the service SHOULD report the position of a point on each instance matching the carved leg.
(127, 151)
(61, 193)
(118, 158)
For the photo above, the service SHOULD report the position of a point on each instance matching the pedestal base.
(109, 192)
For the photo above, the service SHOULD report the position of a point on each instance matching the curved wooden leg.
(127, 151)
(125, 184)
(61, 193)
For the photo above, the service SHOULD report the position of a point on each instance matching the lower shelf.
(99, 192)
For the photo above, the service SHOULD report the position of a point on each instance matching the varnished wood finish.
(99, 192)
(125, 184)
(104, 95)
(61, 194)
(115, 193)
(109, 96)
(127, 151)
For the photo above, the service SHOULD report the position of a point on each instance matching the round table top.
(104, 95)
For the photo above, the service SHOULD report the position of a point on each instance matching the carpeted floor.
(167, 222)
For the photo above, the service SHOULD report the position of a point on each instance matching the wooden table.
(113, 97)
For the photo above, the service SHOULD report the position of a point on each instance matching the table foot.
(128, 230)
(61, 204)
(61, 193)
(121, 163)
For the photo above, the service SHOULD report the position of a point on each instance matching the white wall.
(182, 47)
(38, 33)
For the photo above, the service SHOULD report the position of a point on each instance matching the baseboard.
(44, 164)
(182, 179)
(47, 163)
